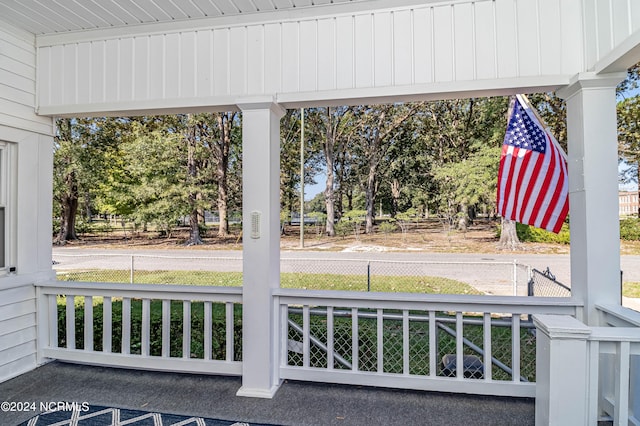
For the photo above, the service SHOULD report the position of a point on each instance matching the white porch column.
(593, 189)
(260, 244)
(561, 370)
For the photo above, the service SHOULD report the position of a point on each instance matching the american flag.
(533, 178)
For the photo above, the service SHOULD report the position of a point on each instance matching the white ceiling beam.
(622, 57)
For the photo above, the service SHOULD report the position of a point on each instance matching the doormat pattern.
(110, 416)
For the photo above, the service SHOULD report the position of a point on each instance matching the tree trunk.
(192, 172)
(69, 210)
(508, 236)
(329, 154)
(223, 147)
(395, 197)
(370, 197)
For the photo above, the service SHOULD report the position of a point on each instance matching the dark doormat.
(106, 416)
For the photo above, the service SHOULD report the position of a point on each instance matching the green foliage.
(218, 344)
(630, 229)
(631, 290)
(387, 227)
(536, 235)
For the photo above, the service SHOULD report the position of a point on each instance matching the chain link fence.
(419, 331)
(544, 284)
(490, 277)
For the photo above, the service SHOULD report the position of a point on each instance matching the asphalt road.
(490, 273)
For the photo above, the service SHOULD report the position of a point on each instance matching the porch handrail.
(467, 303)
(385, 318)
(48, 325)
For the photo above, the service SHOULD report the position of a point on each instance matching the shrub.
(630, 229)
(536, 235)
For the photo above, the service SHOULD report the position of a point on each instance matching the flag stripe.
(532, 178)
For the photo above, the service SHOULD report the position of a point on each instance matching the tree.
(378, 128)
(336, 127)
(81, 147)
(629, 139)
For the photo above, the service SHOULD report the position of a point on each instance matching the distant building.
(628, 203)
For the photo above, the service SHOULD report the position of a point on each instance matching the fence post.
(562, 383)
(368, 275)
(515, 277)
(131, 272)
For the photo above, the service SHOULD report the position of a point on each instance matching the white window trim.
(8, 200)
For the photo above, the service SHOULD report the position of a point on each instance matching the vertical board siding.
(17, 331)
(431, 43)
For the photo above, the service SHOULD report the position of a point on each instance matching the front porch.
(296, 403)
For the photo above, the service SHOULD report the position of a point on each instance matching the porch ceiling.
(42, 17)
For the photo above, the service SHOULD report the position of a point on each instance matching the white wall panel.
(464, 42)
(290, 57)
(18, 83)
(443, 52)
(188, 70)
(255, 59)
(221, 62)
(528, 36)
(204, 64)
(485, 40)
(273, 58)
(507, 47)
(363, 50)
(308, 63)
(434, 43)
(422, 28)
(345, 62)
(141, 68)
(171, 66)
(551, 57)
(17, 330)
(383, 57)
(402, 48)
(238, 60)
(327, 54)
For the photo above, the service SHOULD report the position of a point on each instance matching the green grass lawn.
(391, 284)
(631, 289)
(392, 329)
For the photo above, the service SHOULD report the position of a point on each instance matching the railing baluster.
(166, 328)
(621, 378)
(488, 373)
(306, 345)
(107, 324)
(433, 344)
(71, 322)
(284, 335)
(380, 340)
(515, 347)
(186, 329)
(126, 325)
(88, 323)
(207, 330)
(230, 330)
(459, 346)
(146, 327)
(593, 390)
(53, 320)
(330, 343)
(405, 342)
(354, 339)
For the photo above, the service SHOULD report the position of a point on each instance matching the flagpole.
(525, 101)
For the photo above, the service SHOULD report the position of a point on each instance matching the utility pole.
(301, 177)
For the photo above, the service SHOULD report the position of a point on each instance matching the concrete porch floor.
(296, 403)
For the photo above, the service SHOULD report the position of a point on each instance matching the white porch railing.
(401, 340)
(614, 367)
(154, 324)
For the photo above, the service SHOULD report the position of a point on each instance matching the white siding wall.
(424, 49)
(607, 24)
(29, 201)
